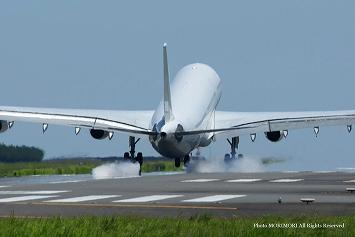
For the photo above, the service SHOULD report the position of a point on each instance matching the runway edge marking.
(214, 198)
(198, 180)
(25, 198)
(242, 180)
(84, 198)
(285, 180)
(131, 206)
(29, 192)
(149, 198)
(67, 181)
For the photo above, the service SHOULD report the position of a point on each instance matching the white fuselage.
(195, 93)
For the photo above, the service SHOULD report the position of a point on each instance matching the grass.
(71, 166)
(80, 166)
(268, 161)
(194, 226)
(151, 166)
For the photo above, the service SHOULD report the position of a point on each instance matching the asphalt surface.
(219, 194)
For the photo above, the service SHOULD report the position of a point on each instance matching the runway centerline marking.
(350, 181)
(214, 198)
(285, 180)
(25, 198)
(199, 180)
(4, 186)
(84, 198)
(34, 192)
(149, 198)
(242, 180)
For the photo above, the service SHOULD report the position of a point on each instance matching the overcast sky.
(270, 55)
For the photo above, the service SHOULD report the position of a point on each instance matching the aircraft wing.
(237, 123)
(132, 122)
(232, 124)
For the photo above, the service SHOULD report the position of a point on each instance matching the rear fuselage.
(195, 93)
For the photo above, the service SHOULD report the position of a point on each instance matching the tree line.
(11, 153)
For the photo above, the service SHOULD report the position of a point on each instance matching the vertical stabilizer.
(168, 112)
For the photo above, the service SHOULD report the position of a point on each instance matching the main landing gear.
(130, 156)
(234, 142)
(186, 161)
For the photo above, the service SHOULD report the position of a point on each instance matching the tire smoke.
(243, 165)
(115, 170)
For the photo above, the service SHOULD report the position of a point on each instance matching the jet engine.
(3, 126)
(99, 134)
(274, 136)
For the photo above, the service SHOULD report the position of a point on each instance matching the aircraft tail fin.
(168, 112)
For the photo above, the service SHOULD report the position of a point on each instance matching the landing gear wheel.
(227, 158)
(186, 160)
(177, 162)
(126, 156)
(139, 159)
(132, 141)
(234, 143)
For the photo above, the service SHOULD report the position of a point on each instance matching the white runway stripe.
(84, 198)
(4, 186)
(350, 181)
(346, 168)
(214, 198)
(33, 192)
(66, 181)
(242, 180)
(150, 198)
(199, 180)
(24, 198)
(285, 180)
(323, 171)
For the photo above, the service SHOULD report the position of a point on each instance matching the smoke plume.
(115, 170)
(217, 165)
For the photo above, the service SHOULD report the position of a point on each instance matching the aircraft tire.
(186, 160)
(126, 156)
(177, 162)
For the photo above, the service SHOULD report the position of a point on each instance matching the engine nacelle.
(3, 126)
(274, 136)
(205, 141)
(99, 134)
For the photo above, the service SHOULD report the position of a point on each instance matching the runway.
(180, 194)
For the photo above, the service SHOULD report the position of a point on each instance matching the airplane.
(186, 118)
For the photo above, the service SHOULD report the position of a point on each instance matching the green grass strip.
(73, 166)
(196, 226)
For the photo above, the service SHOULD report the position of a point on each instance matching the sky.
(270, 55)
